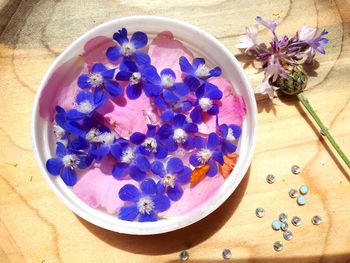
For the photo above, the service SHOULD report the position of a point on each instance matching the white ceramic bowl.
(202, 44)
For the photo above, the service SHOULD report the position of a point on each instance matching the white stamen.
(106, 138)
(85, 107)
(205, 104)
(169, 180)
(180, 136)
(145, 205)
(71, 160)
(135, 78)
(230, 137)
(58, 131)
(167, 81)
(95, 80)
(127, 49)
(150, 144)
(92, 135)
(203, 156)
(128, 156)
(202, 71)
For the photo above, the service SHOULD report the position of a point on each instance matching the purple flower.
(305, 33)
(229, 136)
(87, 104)
(150, 143)
(66, 162)
(249, 40)
(172, 177)
(129, 49)
(268, 24)
(100, 77)
(206, 94)
(129, 161)
(266, 88)
(140, 78)
(316, 44)
(142, 205)
(197, 72)
(208, 153)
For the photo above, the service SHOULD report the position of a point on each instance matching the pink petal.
(165, 52)
(98, 188)
(95, 50)
(231, 107)
(195, 197)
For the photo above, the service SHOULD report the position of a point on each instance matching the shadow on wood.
(178, 240)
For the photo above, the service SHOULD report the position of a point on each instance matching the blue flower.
(229, 135)
(172, 177)
(143, 205)
(206, 93)
(100, 77)
(150, 143)
(63, 127)
(66, 162)
(139, 79)
(87, 103)
(208, 153)
(103, 140)
(178, 133)
(170, 109)
(197, 73)
(129, 49)
(130, 161)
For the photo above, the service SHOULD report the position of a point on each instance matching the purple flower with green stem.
(173, 177)
(149, 144)
(100, 77)
(229, 135)
(206, 95)
(197, 72)
(129, 161)
(129, 49)
(142, 204)
(209, 152)
(66, 162)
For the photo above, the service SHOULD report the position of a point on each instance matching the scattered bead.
(270, 178)
(303, 189)
(283, 217)
(296, 221)
(301, 200)
(184, 256)
(284, 226)
(278, 246)
(276, 225)
(260, 212)
(295, 169)
(226, 253)
(293, 193)
(287, 235)
(316, 220)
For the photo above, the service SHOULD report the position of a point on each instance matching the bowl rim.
(139, 230)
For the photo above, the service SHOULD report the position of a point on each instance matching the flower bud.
(294, 83)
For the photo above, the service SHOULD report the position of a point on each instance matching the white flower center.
(71, 160)
(58, 131)
(92, 135)
(95, 80)
(203, 156)
(167, 81)
(205, 104)
(202, 71)
(180, 136)
(135, 78)
(230, 137)
(127, 156)
(106, 138)
(85, 107)
(150, 144)
(145, 205)
(169, 180)
(127, 49)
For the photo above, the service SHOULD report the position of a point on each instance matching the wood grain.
(36, 227)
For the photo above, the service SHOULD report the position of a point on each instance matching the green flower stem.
(324, 129)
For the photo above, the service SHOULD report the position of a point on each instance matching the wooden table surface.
(36, 227)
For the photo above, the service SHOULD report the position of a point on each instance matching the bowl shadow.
(178, 240)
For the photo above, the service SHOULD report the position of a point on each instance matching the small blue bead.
(301, 200)
(276, 225)
(303, 189)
